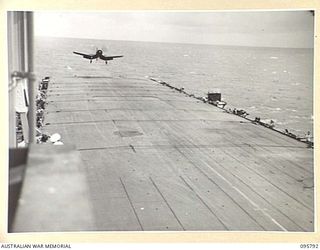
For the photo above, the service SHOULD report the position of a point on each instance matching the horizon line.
(205, 44)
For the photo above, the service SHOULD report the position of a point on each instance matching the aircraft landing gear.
(90, 61)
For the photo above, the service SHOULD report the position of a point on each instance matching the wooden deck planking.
(284, 184)
(296, 156)
(112, 208)
(189, 209)
(269, 153)
(271, 187)
(245, 192)
(170, 162)
(115, 214)
(215, 198)
(152, 210)
(275, 194)
(223, 205)
(265, 161)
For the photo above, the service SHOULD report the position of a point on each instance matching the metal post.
(12, 112)
(32, 78)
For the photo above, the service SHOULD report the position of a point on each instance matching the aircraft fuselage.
(97, 55)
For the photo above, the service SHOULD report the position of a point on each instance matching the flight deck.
(139, 156)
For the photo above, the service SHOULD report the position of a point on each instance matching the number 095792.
(309, 246)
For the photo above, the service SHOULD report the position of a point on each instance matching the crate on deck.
(214, 96)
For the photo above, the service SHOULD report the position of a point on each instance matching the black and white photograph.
(161, 121)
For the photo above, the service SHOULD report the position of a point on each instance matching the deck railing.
(21, 79)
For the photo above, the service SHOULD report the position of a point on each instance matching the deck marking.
(128, 120)
(224, 191)
(264, 178)
(247, 198)
(256, 206)
(166, 146)
(269, 216)
(244, 149)
(240, 192)
(272, 184)
(267, 148)
(124, 187)
(262, 197)
(167, 204)
(127, 109)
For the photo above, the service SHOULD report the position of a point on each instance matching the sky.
(293, 29)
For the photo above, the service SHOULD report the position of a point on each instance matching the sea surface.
(270, 83)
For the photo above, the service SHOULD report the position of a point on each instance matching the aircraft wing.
(106, 58)
(84, 55)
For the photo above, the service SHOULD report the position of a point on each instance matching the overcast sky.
(255, 28)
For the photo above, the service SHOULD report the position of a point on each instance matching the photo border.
(151, 236)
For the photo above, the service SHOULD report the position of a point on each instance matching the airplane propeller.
(95, 48)
(104, 48)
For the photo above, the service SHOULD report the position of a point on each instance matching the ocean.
(270, 83)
